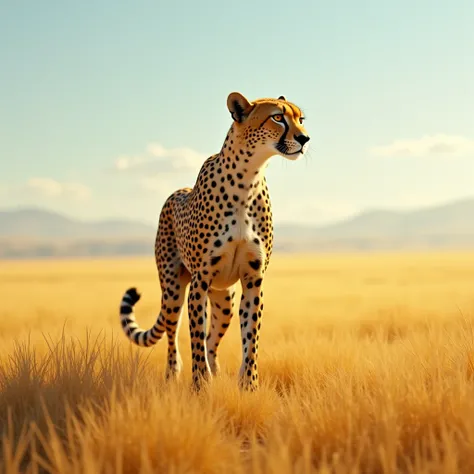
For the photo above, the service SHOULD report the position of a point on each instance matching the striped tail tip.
(132, 295)
(129, 300)
(139, 336)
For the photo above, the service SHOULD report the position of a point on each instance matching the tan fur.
(218, 233)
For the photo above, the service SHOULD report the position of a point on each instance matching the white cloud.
(39, 187)
(157, 158)
(429, 145)
(161, 185)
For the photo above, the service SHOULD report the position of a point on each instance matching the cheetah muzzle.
(217, 233)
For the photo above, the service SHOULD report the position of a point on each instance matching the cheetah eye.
(301, 119)
(277, 117)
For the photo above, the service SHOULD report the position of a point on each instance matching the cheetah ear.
(239, 107)
(282, 97)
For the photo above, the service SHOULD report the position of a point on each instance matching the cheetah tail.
(136, 334)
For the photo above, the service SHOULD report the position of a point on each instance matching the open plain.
(366, 360)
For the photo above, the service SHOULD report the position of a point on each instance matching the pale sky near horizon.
(107, 107)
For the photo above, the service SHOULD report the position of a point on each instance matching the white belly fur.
(229, 266)
(235, 261)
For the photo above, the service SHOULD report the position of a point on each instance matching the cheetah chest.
(238, 249)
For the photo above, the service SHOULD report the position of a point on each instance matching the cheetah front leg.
(197, 309)
(250, 313)
(222, 305)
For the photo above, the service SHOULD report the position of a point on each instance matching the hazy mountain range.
(42, 224)
(28, 233)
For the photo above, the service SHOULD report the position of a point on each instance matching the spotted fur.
(217, 233)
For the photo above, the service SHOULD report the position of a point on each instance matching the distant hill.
(453, 219)
(28, 233)
(445, 226)
(38, 223)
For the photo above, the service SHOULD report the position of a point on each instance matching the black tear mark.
(281, 142)
(215, 260)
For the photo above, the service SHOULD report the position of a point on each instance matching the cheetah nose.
(302, 139)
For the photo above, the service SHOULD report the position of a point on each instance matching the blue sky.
(106, 107)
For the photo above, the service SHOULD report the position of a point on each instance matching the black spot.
(255, 264)
(215, 260)
(217, 243)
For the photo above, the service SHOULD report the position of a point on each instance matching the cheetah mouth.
(284, 150)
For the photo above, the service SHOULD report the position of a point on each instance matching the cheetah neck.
(238, 174)
(239, 159)
(242, 171)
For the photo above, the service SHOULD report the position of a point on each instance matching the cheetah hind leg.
(222, 306)
(173, 294)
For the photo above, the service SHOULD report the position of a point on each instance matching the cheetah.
(217, 233)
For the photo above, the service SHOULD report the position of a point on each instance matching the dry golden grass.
(367, 366)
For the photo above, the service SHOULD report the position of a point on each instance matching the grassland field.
(366, 364)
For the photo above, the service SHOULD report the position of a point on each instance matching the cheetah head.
(269, 126)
